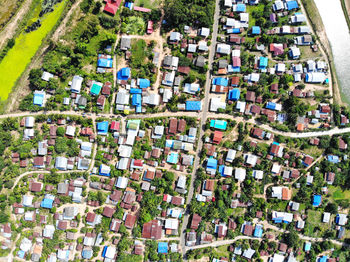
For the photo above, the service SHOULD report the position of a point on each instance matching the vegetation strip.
(17, 59)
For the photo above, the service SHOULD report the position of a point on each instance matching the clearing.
(7, 9)
(151, 4)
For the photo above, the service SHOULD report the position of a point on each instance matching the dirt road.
(10, 29)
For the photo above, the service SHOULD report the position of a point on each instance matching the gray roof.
(69, 211)
(62, 188)
(200, 61)
(125, 43)
(223, 63)
(82, 101)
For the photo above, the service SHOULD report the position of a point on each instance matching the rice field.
(18, 57)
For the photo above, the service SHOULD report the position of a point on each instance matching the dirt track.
(10, 29)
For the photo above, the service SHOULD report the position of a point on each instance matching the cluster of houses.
(43, 157)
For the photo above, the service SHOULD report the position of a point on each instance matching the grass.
(338, 194)
(306, 52)
(314, 226)
(18, 58)
(250, 10)
(134, 26)
(151, 4)
(313, 151)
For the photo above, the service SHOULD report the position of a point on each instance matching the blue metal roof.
(218, 124)
(173, 158)
(38, 99)
(317, 200)
(136, 100)
(102, 127)
(258, 231)
(212, 163)
(220, 81)
(234, 94)
(193, 105)
(292, 5)
(144, 83)
(256, 30)
(263, 62)
(307, 246)
(333, 159)
(135, 91)
(240, 8)
(163, 247)
(47, 203)
(105, 62)
(271, 105)
(124, 73)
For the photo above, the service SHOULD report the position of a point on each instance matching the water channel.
(339, 37)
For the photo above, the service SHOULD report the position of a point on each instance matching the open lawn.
(314, 226)
(251, 9)
(17, 59)
(151, 4)
(338, 194)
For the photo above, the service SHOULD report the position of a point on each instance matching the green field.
(151, 4)
(18, 58)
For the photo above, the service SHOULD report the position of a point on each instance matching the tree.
(291, 239)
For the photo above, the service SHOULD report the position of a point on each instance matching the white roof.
(280, 67)
(181, 182)
(254, 77)
(276, 168)
(123, 163)
(216, 103)
(70, 131)
(124, 151)
(122, 182)
(223, 49)
(277, 192)
(205, 31)
(26, 244)
(236, 53)
(76, 84)
(231, 154)
(258, 174)
(244, 17)
(240, 174)
(326, 217)
(105, 169)
(277, 258)
(228, 3)
(171, 223)
(27, 200)
(240, 106)
(110, 252)
(122, 97)
(251, 159)
(48, 231)
(316, 77)
(46, 76)
(29, 122)
(61, 162)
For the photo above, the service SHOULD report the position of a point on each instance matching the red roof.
(112, 6)
(177, 201)
(142, 9)
(115, 126)
(130, 221)
(217, 137)
(172, 126)
(90, 217)
(196, 219)
(182, 125)
(184, 69)
(108, 211)
(236, 61)
(235, 81)
(36, 187)
(150, 27)
(152, 230)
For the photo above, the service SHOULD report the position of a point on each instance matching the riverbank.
(345, 4)
(315, 20)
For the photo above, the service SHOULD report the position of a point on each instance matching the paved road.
(203, 118)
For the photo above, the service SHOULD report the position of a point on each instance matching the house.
(102, 128)
(234, 94)
(163, 248)
(193, 106)
(341, 219)
(317, 200)
(175, 37)
(223, 49)
(240, 174)
(76, 84)
(204, 31)
(294, 52)
(256, 30)
(39, 98)
(315, 77)
(112, 6)
(199, 61)
(61, 163)
(149, 27)
(152, 230)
